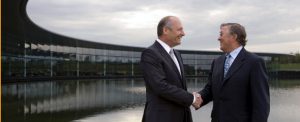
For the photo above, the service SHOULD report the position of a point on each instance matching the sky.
(271, 25)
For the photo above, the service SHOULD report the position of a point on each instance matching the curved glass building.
(105, 78)
(30, 53)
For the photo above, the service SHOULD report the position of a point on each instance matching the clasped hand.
(198, 101)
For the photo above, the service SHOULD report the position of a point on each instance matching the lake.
(116, 100)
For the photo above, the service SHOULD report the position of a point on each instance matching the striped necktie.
(227, 64)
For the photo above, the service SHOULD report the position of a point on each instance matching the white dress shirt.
(168, 49)
(234, 54)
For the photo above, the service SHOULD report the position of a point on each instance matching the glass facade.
(32, 53)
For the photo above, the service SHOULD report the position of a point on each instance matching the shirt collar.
(164, 45)
(235, 52)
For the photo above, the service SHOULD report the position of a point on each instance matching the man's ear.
(166, 30)
(234, 36)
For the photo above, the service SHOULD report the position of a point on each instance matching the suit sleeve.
(259, 92)
(155, 79)
(206, 92)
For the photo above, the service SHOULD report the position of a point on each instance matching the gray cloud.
(269, 24)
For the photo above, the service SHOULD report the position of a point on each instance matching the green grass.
(285, 83)
(290, 66)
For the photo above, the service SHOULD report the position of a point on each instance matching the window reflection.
(70, 61)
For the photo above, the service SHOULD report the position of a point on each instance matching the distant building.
(30, 52)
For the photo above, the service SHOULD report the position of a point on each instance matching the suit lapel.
(179, 61)
(164, 53)
(238, 62)
(181, 67)
(219, 65)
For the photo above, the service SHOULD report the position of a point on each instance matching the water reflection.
(64, 101)
(33, 101)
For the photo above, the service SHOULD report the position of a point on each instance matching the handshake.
(198, 100)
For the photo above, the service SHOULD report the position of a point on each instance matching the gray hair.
(164, 22)
(239, 30)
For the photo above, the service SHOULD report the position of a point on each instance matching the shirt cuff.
(194, 99)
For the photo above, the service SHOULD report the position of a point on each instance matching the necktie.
(227, 64)
(171, 53)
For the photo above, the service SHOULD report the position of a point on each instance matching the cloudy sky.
(271, 25)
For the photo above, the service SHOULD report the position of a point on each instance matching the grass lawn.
(292, 66)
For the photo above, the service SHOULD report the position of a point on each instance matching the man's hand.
(198, 100)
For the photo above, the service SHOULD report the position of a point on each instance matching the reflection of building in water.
(47, 97)
(30, 52)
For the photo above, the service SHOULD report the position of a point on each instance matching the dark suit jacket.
(167, 99)
(243, 95)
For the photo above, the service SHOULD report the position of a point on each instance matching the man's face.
(226, 39)
(175, 33)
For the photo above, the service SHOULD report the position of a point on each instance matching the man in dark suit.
(167, 99)
(237, 83)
